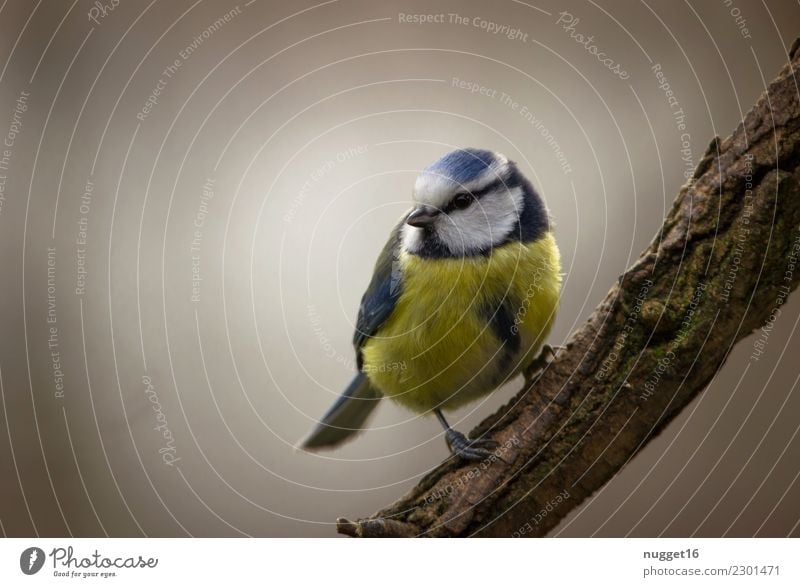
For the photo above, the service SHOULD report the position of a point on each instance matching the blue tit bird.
(462, 298)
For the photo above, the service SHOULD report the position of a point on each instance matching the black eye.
(461, 201)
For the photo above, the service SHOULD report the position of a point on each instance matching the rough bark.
(721, 266)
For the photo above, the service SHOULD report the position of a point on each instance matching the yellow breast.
(437, 349)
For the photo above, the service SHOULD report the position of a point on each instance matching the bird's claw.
(545, 357)
(470, 450)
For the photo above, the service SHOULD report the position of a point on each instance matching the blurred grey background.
(194, 194)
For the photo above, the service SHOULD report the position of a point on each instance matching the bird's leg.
(545, 357)
(469, 450)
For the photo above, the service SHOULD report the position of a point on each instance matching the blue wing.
(350, 412)
(382, 292)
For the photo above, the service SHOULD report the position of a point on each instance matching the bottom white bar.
(347, 562)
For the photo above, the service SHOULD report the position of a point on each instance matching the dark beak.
(422, 216)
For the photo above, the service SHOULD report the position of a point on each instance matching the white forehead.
(436, 186)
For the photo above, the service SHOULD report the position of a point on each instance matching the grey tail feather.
(346, 417)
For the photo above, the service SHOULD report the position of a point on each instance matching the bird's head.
(469, 202)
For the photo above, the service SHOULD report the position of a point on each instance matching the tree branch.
(724, 261)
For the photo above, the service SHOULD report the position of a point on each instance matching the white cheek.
(487, 222)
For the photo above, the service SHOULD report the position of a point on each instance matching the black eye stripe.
(499, 182)
(477, 194)
(451, 205)
(462, 201)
